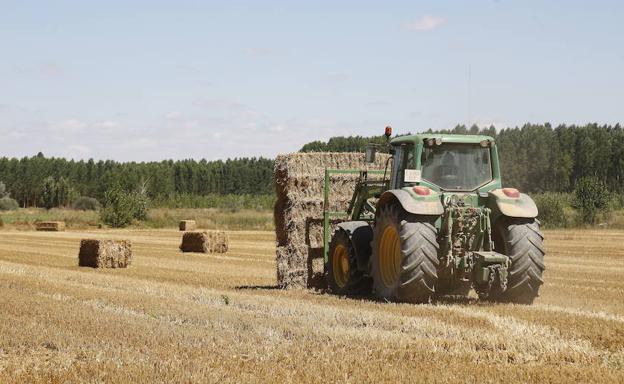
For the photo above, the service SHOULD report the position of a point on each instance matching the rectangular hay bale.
(105, 253)
(50, 226)
(188, 225)
(298, 210)
(205, 242)
(300, 266)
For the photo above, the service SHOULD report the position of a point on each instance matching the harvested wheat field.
(219, 318)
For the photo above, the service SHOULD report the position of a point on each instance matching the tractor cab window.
(457, 167)
(404, 158)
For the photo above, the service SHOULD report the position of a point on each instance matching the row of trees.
(534, 158)
(538, 157)
(41, 181)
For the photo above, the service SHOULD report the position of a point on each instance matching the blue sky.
(151, 80)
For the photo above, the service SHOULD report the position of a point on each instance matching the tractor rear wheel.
(405, 256)
(342, 275)
(522, 241)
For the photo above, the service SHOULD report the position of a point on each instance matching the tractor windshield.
(457, 167)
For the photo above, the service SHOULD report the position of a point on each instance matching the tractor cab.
(445, 163)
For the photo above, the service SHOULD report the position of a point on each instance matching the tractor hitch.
(490, 273)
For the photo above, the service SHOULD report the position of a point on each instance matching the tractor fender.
(522, 206)
(360, 235)
(429, 205)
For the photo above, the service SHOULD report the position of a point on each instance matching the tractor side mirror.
(371, 151)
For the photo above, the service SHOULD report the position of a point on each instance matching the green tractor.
(437, 223)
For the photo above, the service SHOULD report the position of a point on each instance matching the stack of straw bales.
(205, 242)
(188, 225)
(298, 212)
(51, 226)
(105, 253)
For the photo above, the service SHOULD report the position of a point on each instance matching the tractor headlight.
(434, 141)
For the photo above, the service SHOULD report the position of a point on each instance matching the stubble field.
(176, 317)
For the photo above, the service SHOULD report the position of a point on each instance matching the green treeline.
(534, 158)
(29, 180)
(538, 157)
(343, 144)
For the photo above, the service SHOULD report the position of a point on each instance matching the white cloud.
(82, 150)
(139, 143)
(75, 126)
(176, 121)
(224, 128)
(277, 128)
(106, 124)
(173, 115)
(68, 126)
(219, 104)
(425, 23)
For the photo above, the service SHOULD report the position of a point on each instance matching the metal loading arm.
(364, 187)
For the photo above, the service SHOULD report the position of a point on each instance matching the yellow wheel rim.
(340, 265)
(389, 256)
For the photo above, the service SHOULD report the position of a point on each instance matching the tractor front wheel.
(342, 275)
(405, 256)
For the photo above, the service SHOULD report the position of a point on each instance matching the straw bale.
(51, 226)
(205, 242)
(218, 242)
(300, 266)
(105, 253)
(298, 212)
(341, 186)
(188, 225)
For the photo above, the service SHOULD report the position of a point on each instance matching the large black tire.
(342, 275)
(523, 242)
(405, 256)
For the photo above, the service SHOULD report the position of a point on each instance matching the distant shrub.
(227, 202)
(8, 204)
(591, 197)
(552, 209)
(121, 207)
(141, 206)
(617, 202)
(85, 203)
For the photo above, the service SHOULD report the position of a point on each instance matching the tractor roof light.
(421, 191)
(388, 131)
(485, 143)
(511, 192)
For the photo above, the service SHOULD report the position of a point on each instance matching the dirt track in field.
(176, 317)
